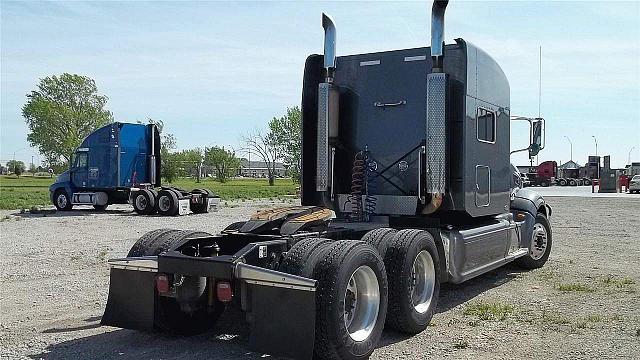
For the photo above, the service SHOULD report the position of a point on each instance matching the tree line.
(65, 109)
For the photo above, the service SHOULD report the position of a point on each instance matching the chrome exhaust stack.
(328, 98)
(436, 136)
(329, 47)
(437, 34)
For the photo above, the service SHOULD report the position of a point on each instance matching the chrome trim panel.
(369, 63)
(415, 58)
(144, 263)
(260, 276)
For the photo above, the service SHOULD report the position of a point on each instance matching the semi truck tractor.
(406, 184)
(544, 174)
(118, 164)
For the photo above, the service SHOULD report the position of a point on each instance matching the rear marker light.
(162, 284)
(223, 291)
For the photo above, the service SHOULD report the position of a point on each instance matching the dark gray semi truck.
(406, 184)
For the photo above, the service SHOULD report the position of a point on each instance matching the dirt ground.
(584, 304)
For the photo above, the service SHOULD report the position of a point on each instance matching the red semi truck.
(544, 175)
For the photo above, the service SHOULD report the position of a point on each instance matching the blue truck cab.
(118, 164)
(109, 163)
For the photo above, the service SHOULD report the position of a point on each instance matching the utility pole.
(571, 147)
(629, 156)
(596, 140)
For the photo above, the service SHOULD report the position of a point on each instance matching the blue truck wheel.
(144, 202)
(167, 203)
(61, 200)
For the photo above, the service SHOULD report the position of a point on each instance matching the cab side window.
(486, 125)
(81, 160)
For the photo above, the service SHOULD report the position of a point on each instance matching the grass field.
(27, 191)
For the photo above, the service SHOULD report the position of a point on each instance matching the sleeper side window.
(486, 125)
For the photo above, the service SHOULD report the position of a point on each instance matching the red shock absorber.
(357, 186)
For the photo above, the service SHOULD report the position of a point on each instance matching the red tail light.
(162, 283)
(223, 291)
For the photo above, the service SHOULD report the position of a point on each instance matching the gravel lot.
(583, 304)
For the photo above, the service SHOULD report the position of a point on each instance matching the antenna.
(539, 80)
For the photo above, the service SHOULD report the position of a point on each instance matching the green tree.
(192, 162)
(33, 169)
(16, 167)
(61, 112)
(286, 132)
(170, 161)
(224, 161)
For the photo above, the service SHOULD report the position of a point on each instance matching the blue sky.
(215, 70)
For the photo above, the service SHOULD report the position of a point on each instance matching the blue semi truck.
(118, 164)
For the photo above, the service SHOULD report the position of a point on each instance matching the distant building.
(258, 169)
(570, 169)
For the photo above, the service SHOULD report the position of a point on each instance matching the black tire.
(572, 182)
(527, 261)
(158, 241)
(143, 202)
(61, 200)
(101, 207)
(333, 273)
(544, 184)
(171, 240)
(380, 239)
(562, 182)
(399, 261)
(167, 203)
(234, 226)
(299, 260)
(143, 245)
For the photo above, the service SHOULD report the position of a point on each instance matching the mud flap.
(130, 304)
(283, 321)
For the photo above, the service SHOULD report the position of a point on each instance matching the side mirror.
(536, 137)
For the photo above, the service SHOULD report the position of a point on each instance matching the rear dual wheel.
(351, 297)
(199, 208)
(168, 202)
(412, 264)
(144, 202)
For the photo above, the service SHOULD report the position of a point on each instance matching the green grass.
(27, 191)
(24, 191)
(461, 344)
(489, 311)
(610, 280)
(573, 287)
(555, 318)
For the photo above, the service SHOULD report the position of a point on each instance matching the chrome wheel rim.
(164, 203)
(423, 281)
(62, 200)
(538, 242)
(141, 202)
(361, 303)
